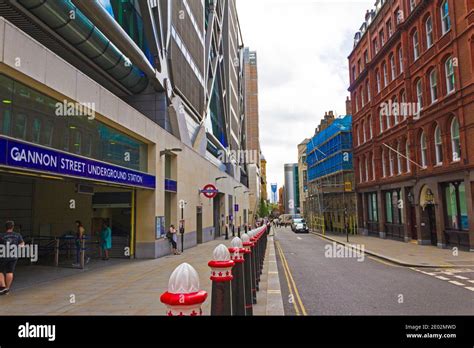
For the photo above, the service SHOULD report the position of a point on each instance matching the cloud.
(302, 48)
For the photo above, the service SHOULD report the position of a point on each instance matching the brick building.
(412, 91)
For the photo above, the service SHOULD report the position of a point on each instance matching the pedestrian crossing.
(463, 277)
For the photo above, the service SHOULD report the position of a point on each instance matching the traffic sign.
(210, 191)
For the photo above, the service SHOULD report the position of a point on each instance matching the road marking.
(299, 238)
(273, 292)
(288, 281)
(471, 281)
(456, 283)
(272, 272)
(442, 278)
(461, 277)
(382, 261)
(469, 288)
(285, 264)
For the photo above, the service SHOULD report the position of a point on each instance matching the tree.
(263, 208)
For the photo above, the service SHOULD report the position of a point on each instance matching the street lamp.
(220, 178)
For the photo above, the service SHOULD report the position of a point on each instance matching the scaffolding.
(332, 204)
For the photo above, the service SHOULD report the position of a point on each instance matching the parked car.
(299, 225)
(285, 219)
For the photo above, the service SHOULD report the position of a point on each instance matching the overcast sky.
(302, 48)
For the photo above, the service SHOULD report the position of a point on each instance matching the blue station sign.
(18, 154)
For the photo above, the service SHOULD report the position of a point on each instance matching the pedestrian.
(8, 264)
(80, 235)
(172, 236)
(105, 240)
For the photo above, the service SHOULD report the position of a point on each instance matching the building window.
(362, 96)
(396, 109)
(375, 45)
(450, 79)
(370, 127)
(372, 207)
(373, 167)
(384, 169)
(389, 28)
(360, 171)
(385, 75)
(407, 154)
(445, 20)
(390, 162)
(433, 86)
(416, 46)
(419, 96)
(423, 150)
(438, 146)
(400, 59)
(455, 140)
(399, 158)
(366, 57)
(455, 206)
(359, 67)
(392, 209)
(358, 136)
(364, 136)
(353, 73)
(403, 109)
(377, 74)
(393, 67)
(382, 38)
(366, 169)
(367, 87)
(412, 5)
(429, 32)
(381, 121)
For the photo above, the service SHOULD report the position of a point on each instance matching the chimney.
(348, 106)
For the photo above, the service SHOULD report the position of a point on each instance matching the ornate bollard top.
(221, 253)
(245, 238)
(237, 250)
(183, 280)
(183, 296)
(221, 265)
(247, 243)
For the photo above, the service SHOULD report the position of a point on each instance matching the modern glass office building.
(116, 110)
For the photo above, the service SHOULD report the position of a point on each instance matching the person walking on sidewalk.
(8, 264)
(105, 240)
(172, 236)
(80, 235)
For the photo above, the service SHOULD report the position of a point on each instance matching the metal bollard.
(221, 276)
(248, 274)
(226, 232)
(238, 231)
(233, 230)
(183, 297)
(238, 283)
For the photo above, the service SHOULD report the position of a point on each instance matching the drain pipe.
(114, 32)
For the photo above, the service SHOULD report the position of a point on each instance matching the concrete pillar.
(381, 213)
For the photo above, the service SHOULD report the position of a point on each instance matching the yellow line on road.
(288, 281)
(285, 265)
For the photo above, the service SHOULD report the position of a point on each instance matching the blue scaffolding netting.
(329, 151)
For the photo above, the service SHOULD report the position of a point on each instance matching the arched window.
(358, 135)
(396, 110)
(445, 20)
(390, 162)
(371, 134)
(356, 100)
(423, 150)
(438, 146)
(384, 165)
(399, 158)
(389, 116)
(429, 32)
(433, 85)
(366, 169)
(367, 87)
(419, 96)
(364, 136)
(377, 76)
(393, 67)
(450, 78)
(407, 154)
(400, 59)
(455, 140)
(385, 74)
(360, 169)
(373, 167)
(403, 105)
(381, 121)
(416, 45)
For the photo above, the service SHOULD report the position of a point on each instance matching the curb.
(274, 295)
(383, 257)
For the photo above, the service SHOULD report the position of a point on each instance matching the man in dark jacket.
(8, 263)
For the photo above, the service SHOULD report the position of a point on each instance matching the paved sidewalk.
(123, 287)
(406, 254)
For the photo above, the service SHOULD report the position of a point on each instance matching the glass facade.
(31, 116)
(372, 207)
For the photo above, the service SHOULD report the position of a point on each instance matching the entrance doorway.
(430, 211)
(199, 224)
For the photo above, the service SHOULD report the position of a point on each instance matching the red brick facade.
(420, 53)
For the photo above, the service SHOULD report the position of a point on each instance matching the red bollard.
(183, 297)
(238, 283)
(248, 274)
(221, 276)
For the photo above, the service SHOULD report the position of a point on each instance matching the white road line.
(428, 273)
(456, 283)
(442, 278)
(461, 277)
(469, 288)
(471, 281)
(299, 238)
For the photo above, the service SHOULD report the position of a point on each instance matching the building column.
(439, 211)
(470, 207)
(405, 214)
